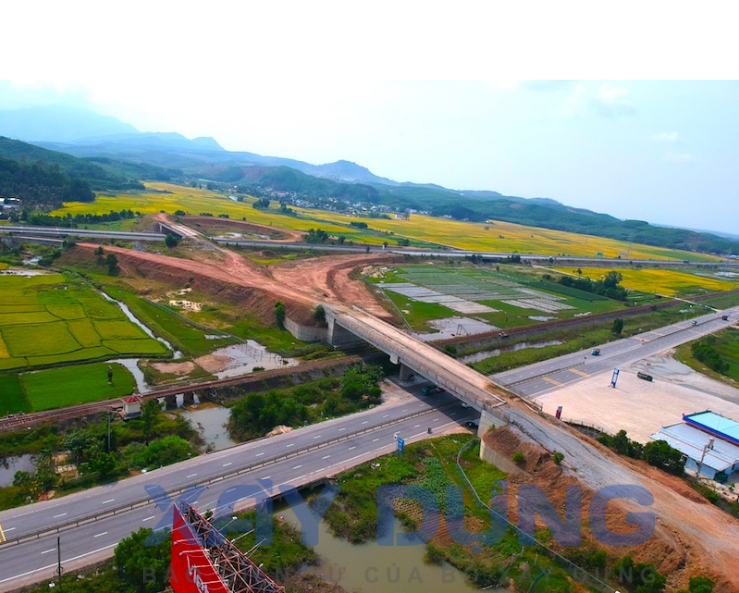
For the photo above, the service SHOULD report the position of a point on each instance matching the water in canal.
(478, 356)
(209, 420)
(371, 568)
(10, 465)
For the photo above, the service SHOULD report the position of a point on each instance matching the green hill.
(44, 177)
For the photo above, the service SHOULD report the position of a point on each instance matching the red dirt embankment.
(301, 285)
(692, 537)
(275, 235)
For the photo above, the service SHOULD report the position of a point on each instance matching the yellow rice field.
(664, 282)
(491, 236)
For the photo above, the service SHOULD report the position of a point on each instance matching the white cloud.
(606, 100)
(680, 157)
(613, 101)
(665, 137)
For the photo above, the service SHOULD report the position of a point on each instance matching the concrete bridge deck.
(467, 384)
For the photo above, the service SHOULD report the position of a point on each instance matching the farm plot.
(12, 398)
(479, 288)
(79, 384)
(53, 319)
(500, 300)
(419, 293)
(665, 282)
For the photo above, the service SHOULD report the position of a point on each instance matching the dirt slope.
(692, 537)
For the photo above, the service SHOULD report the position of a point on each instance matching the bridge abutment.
(338, 336)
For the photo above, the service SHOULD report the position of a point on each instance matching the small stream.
(478, 356)
(127, 312)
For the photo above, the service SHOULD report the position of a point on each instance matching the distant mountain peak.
(59, 123)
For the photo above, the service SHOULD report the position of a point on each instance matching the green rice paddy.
(76, 384)
(54, 318)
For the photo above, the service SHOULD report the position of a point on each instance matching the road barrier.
(262, 463)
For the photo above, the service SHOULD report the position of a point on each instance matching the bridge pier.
(170, 401)
(188, 398)
(406, 373)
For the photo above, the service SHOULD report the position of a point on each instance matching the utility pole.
(59, 560)
(108, 432)
(705, 450)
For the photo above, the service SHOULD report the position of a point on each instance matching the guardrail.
(262, 463)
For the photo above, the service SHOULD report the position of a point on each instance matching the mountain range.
(127, 155)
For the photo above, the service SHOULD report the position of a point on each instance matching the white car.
(464, 405)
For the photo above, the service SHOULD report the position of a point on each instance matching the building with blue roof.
(708, 436)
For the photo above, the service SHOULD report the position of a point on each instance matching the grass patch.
(432, 464)
(169, 324)
(72, 385)
(573, 340)
(726, 343)
(417, 313)
(12, 398)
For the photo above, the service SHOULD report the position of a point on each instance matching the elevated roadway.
(47, 231)
(465, 383)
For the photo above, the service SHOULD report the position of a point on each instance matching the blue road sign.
(401, 444)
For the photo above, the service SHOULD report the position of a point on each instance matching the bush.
(519, 458)
(558, 457)
(280, 314)
(660, 454)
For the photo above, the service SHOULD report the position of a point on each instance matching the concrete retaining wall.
(502, 463)
(306, 333)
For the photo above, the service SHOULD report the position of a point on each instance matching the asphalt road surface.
(540, 378)
(89, 529)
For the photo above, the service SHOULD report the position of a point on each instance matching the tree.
(321, 314)
(280, 314)
(143, 566)
(660, 454)
(171, 241)
(150, 412)
(112, 262)
(77, 443)
(618, 326)
(99, 251)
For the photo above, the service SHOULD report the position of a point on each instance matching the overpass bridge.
(50, 231)
(347, 325)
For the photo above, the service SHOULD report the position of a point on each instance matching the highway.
(90, 523)
(537, 379)
(450, 252)
(301, 457)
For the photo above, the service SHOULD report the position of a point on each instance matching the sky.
(633, 112)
